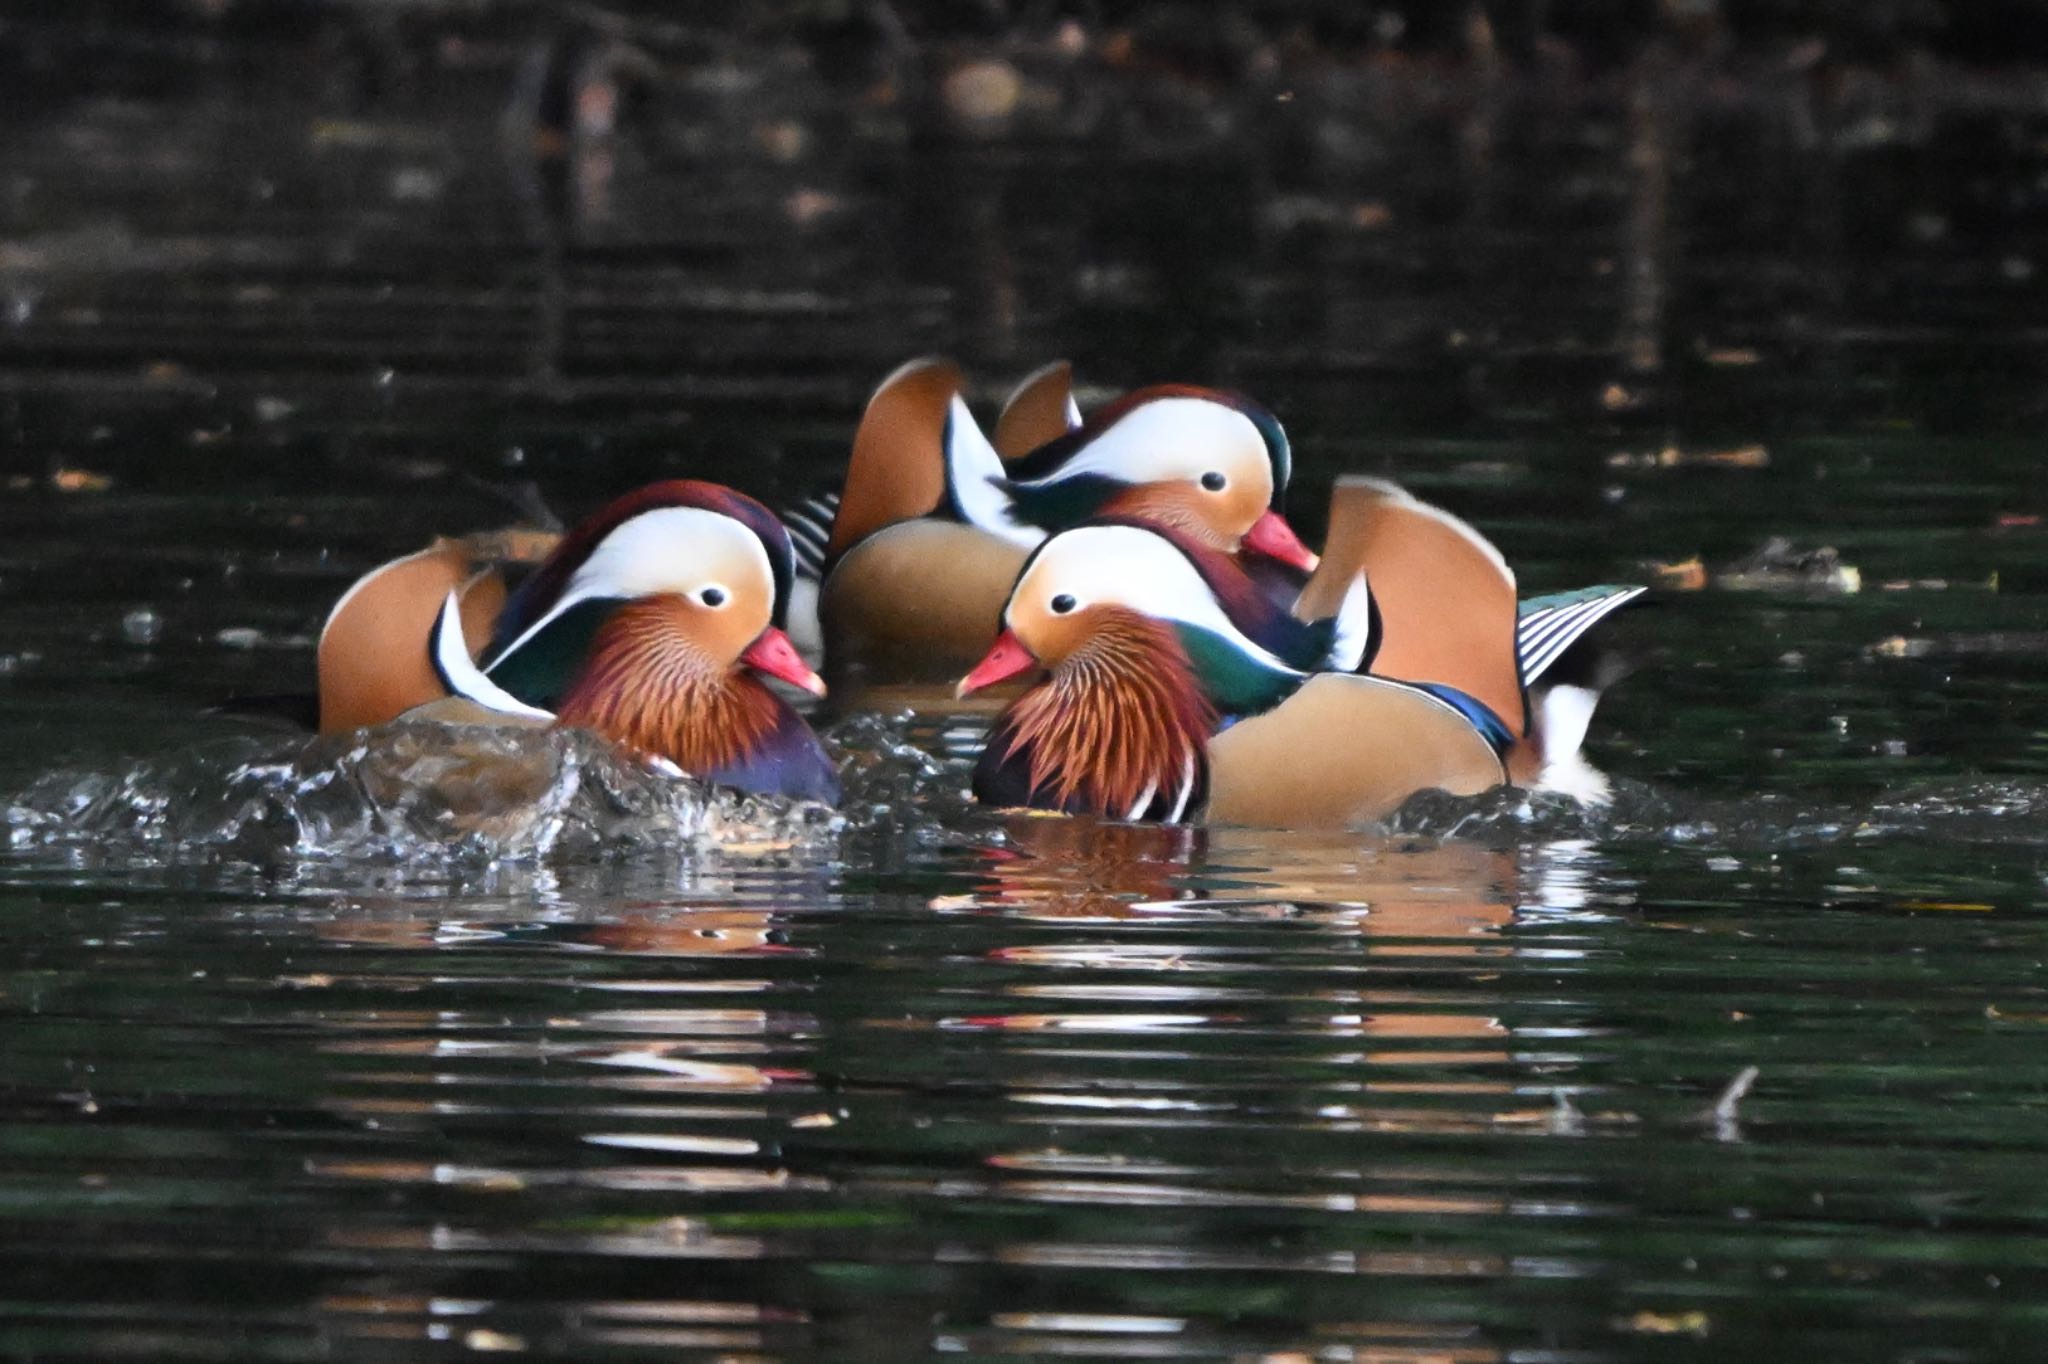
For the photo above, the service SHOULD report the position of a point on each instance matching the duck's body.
(1312, 761)
(1449, 613)
(644, 624)
(373, 661)
(1172, 695)
(934, 522)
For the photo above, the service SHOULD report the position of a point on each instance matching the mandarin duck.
(1176, 692)
(1038, 411)
(1446, 608)
(933, 524)
(643, 624)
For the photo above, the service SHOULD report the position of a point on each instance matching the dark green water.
(282, 1076)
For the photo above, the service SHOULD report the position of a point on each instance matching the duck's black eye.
(1062, 604)
(1214, 481)
(712, 596)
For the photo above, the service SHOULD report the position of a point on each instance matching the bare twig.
(1724, 1107)
(1727, 1126)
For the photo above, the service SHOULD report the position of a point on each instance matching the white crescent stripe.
(974, 474)
(461, 675)
(1144, 799)
(1354, 627)
(1187, 788)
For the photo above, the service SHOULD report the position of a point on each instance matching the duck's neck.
(646, 686)
(1120, 729)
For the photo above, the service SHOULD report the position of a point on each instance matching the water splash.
(410, 792)
(427, 793)
(904, 778)
(2002, 810)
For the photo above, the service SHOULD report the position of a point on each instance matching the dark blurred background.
(413, 239)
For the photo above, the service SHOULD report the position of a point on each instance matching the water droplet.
(142, 627)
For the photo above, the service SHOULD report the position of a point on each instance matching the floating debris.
(1674, 457)
(1778, 566)
(2020, 643)
(1687, 575)
(142, 627)
(1774, 566)
(79, 481)
(1694, 1323)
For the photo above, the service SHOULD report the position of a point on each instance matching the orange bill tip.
(775, 655)
(1006, 658)
(1271, 536)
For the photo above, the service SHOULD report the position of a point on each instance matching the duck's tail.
(1566, 671)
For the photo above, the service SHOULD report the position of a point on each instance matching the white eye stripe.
(665, 550)
(1171, 438)
(1129, 567)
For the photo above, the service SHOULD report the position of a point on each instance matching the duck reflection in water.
(1412, 905)
(656, 930)
(691, 933)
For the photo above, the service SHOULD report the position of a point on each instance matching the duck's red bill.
(1271, 536)
(774, 655)
(1006, 658)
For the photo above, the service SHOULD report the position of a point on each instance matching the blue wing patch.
(1490, 726)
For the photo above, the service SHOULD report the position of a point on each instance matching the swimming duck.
(934, 524)
(1175, 693)
(1447, 612)
(642, 624)
(1039, 410)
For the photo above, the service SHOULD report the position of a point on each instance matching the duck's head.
(711, 566)
(1124, 595)
(1120, 725)
(1211, 465)
(642, 624)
